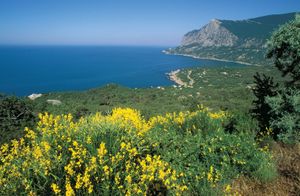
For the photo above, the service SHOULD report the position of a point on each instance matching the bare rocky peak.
(212, 34)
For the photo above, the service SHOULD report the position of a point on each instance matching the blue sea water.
(39, 69)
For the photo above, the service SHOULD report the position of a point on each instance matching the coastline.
(177, 80)
(174, 78)
(210, 58)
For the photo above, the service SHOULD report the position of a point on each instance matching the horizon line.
(69, 45)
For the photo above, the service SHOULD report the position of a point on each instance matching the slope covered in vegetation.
(122, 153)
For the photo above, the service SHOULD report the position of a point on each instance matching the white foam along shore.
(209, 58)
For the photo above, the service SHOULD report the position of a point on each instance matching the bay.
(41, 69)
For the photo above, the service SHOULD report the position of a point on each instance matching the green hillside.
(260, 27)
(247, 39)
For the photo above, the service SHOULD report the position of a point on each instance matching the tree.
(15, 114)
(264, 87)
(284, 49)
(280, 110)
(285, 115)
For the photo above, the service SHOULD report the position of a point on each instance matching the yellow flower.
(90, 189)
(123, 145)
(4, 148)
(46, 146)
(69, 169)
(117, 179)
(69, 190)
(31, 193)
(102, 150)
(210, 174)
(88, 140)
(128, 179)
(55, 188)
(227, 188)
(37, 153)
(106, 170)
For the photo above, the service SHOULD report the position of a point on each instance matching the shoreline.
(177, 80)
(174, 78)
(210, 58)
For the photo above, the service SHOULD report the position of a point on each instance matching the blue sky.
(121, 22)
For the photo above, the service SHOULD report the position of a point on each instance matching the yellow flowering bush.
(98, 154)
(209, 157)
(122, 154)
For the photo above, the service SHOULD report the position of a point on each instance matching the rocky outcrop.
(54, 101)
(232, 40)
(34, 96)
(212, 34)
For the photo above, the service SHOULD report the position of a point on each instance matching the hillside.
(241, 40)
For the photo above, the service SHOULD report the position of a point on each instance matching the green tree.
(284, 49)
(15, 114)
(285, 115)
(284, 107)
(264, 87)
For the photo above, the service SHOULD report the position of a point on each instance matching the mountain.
(239, 40)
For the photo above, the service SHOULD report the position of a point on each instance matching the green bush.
(15, 114)
(280, 110)
(285, 109)
(209, 156)
(283, 47)
(264, 87)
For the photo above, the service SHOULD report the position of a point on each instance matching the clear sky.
(121, 22)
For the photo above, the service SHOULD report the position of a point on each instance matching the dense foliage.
(284, 48)
(264, 87)
(285, 115)
(122, 153)
(15, 114)
(277, 109)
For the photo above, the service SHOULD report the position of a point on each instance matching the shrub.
(98, 154)
(280, 110)
(122, 153)
(15, 114)
(285, 109)
(199, 147)
(283, 47)
(264, 86)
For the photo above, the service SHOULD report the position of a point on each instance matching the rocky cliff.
(240, 40)
(212, 34)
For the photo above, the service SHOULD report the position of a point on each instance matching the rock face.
(212, 34)
(34, 96)
(233, 40)
(54, 101)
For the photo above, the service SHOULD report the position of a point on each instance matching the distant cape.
(234, 40)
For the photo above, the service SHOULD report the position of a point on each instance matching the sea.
(41, 69)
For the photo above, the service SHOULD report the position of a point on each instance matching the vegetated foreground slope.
(123, 154)
(241, 40)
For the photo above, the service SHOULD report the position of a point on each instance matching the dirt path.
(192, 81)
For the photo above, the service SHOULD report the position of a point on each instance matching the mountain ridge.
(234, 40)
